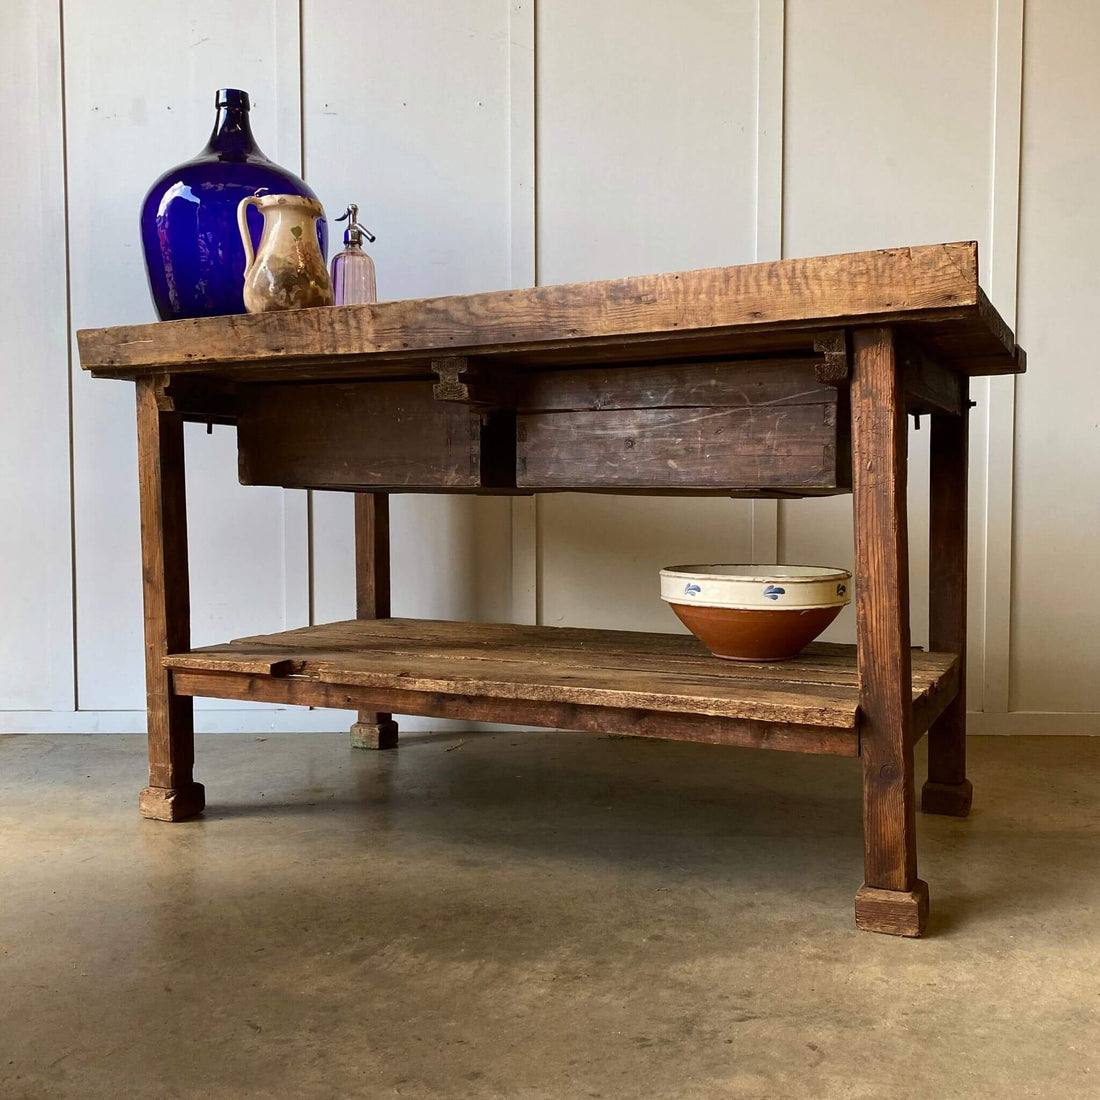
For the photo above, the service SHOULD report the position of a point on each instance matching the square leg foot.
(374, 735)
(893, 912)
(953, 799)
(172, 803)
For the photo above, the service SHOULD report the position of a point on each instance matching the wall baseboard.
(256, 720)
(1033, 723)
(251, 720)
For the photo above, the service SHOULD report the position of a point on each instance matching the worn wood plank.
(947, 790)
(427, 636)
(172, 793)
(372, 729)
(677, 692)
(199, 399)
(930, 387)
(805, 691)
(372, 556)
(836, 366)
(932, 694)
(731, 383)
(737, 425)
(382, 435)
(931, 283)
(893, 912)
(396, 435)
(637, 723)
(769, 447)
(879, 444)
(618, 669)
(522, 642)
(423, 668)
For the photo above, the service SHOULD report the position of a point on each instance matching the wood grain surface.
(660, 725)
(879, 448)
(726, 309)
(947, 790)
(785, 447)
(370, 435)
(625, 670)
(372, 729)
(165, 587)
(728, 383)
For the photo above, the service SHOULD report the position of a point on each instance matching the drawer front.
(713, 427)
(734, 426)
(370, 436)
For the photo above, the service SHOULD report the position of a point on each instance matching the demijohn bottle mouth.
(231, 97)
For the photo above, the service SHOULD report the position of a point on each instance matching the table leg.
(372, 601)
(172, 794)
(947, 790)
(892, 898)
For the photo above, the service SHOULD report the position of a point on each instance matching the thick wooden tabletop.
(930, 291)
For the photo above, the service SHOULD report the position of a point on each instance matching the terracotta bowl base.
(765, 634)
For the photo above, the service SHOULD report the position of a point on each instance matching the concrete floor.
(531, 916)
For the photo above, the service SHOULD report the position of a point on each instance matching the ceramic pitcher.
(287, 271)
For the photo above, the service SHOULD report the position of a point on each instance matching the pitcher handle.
(246, 237)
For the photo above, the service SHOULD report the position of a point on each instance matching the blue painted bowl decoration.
(193, 252)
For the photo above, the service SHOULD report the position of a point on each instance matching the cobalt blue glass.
(193, 251)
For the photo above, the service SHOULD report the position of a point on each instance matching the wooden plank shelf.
(628, 682)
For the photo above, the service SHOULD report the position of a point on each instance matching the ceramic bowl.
(755, 612)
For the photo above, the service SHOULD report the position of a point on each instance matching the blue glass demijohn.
(193, 251)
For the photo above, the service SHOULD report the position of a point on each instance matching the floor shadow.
(725, 815)
(679, 809)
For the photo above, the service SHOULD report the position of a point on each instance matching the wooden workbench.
(782, 379)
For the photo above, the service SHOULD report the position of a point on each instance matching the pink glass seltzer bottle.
(353, 281)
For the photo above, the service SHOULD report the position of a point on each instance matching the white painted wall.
(132, 108)
(882, 152)
(1055, 595)
(36, 619)
(645, 163)
(495, 143)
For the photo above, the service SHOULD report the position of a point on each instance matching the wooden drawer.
(730, 426)
(371, 435)
(712, 427)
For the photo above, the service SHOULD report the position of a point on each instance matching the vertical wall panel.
(287, 150)
(1056, 587)
(408, 116)
(523, 235)
(646, 162)
(996, 397)
(770, 64)
(888, 140)
(140, 83)
(36, 642)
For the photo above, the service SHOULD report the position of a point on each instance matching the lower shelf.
(650, 685)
